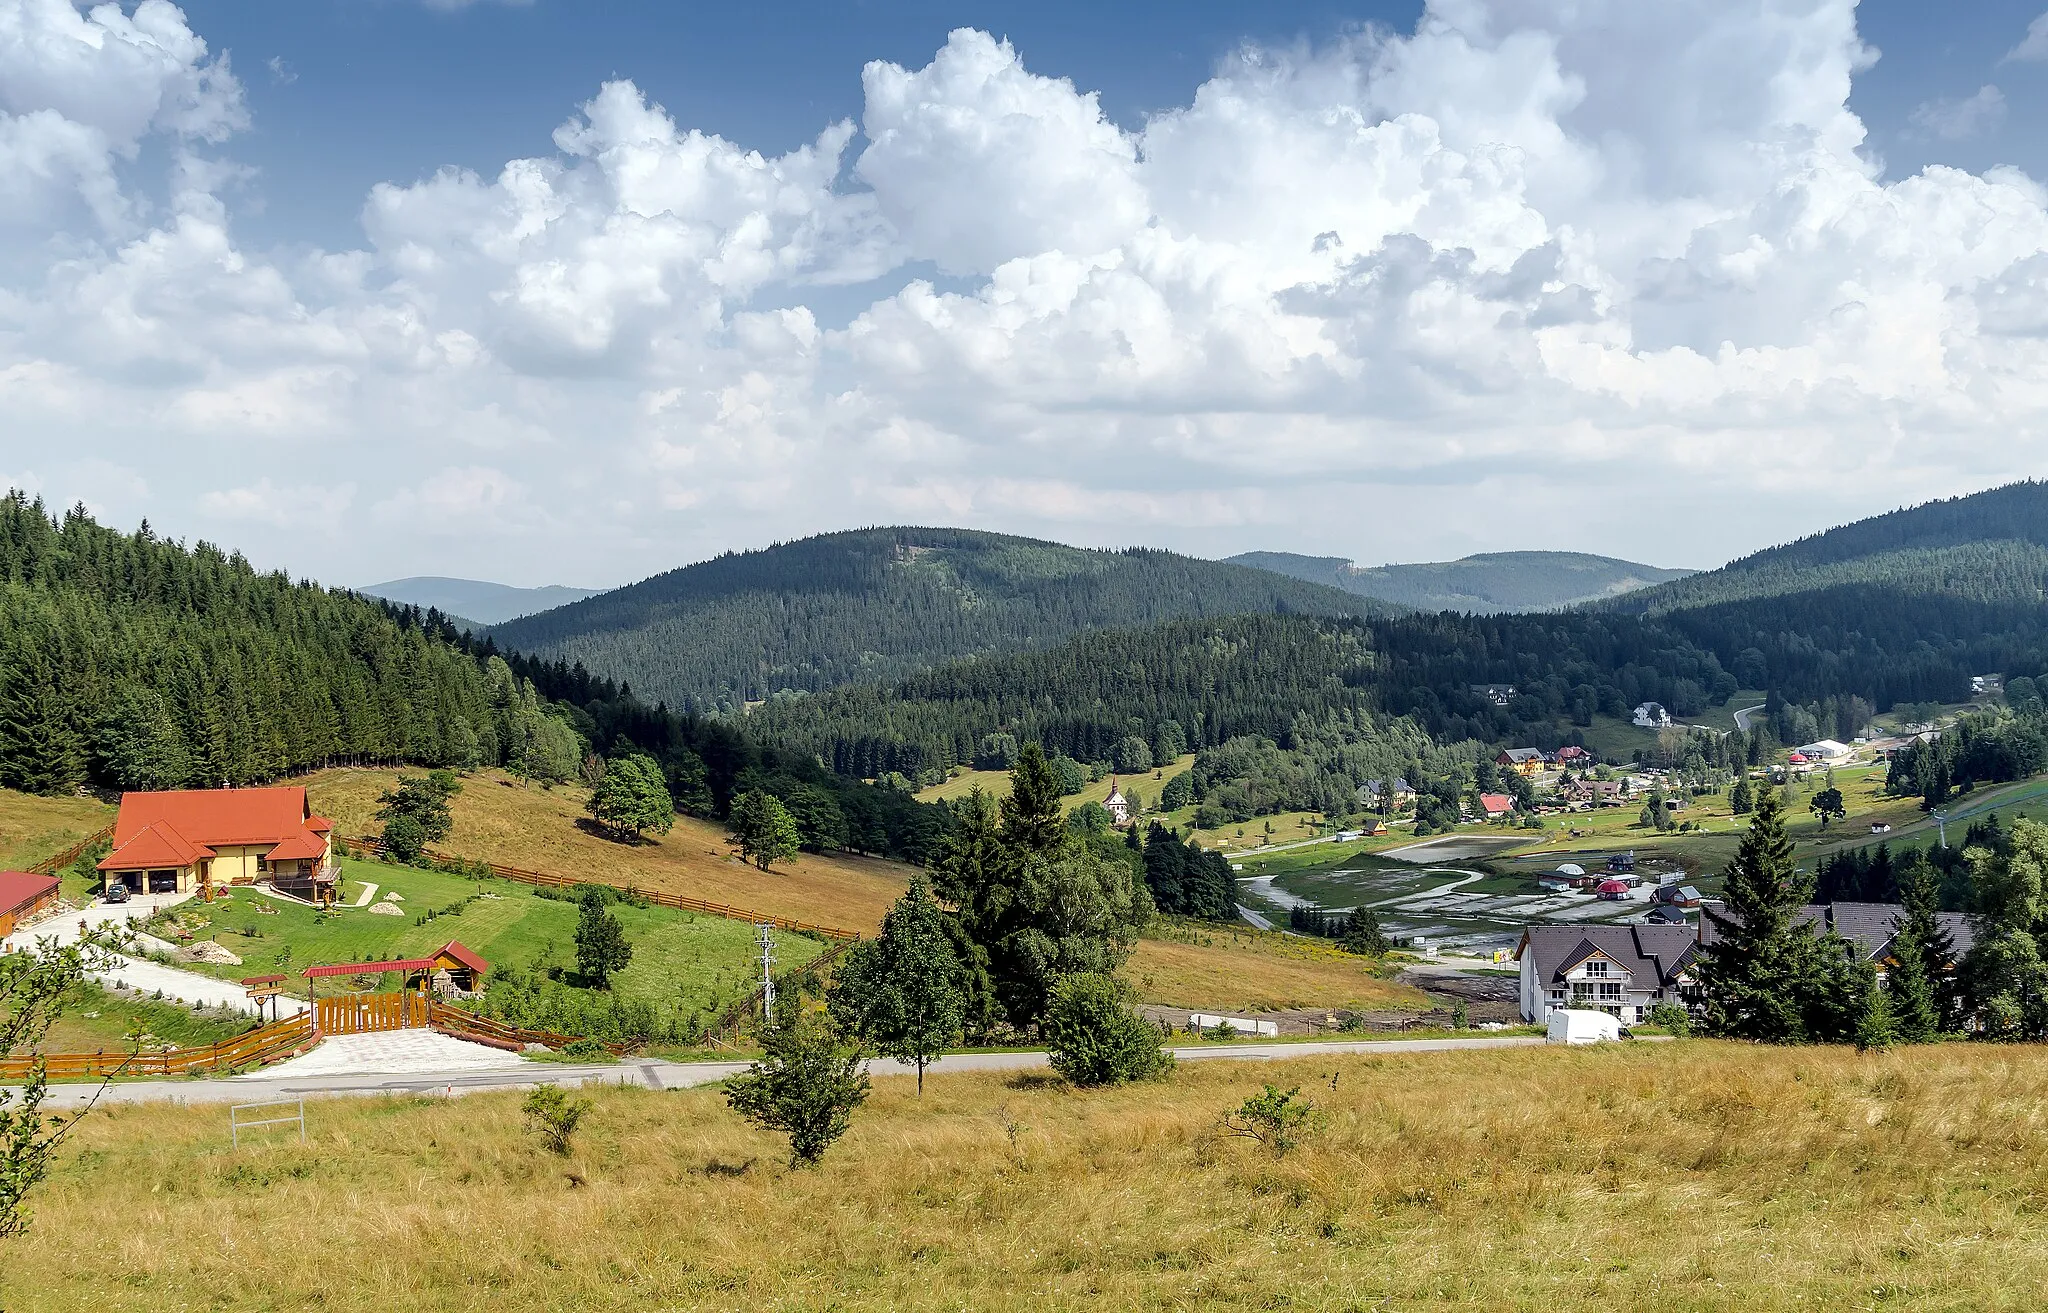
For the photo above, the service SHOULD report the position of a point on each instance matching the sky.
(556, 292)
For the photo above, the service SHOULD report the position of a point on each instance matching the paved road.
(1742, 716)
(672, 1075)
(131, 972)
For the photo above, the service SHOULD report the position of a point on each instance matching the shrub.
(1095, 1036)
(806, 1085)
(1277, 1119)
(553, 1116)
(1670, 1018)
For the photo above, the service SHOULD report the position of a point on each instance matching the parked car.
(116, 893)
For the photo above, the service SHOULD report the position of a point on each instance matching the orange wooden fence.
(654, 896)
(280, 1039)
(359, 1014)
(52, 865)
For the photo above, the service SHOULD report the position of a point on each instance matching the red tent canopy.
(453, 949)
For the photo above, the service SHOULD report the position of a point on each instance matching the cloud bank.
(1540, 273)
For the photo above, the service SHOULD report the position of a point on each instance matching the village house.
(1496, 804)
(1622, 970)
(1118, 806)
(1869, 927)
(24, 896)
(1527, 761)
(1496, 694)
(197, 840)
(1652, 715)
(1825, 750)
(1571, 756)
(1591, 793)
(1371, 792)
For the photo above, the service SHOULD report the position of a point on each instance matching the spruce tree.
(1876, 1026)
(1931, 972)
(1032, 817)
(1748, 975)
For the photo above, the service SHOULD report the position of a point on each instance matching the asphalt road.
(670, 1075)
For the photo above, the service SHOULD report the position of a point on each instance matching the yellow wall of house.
(237, 865)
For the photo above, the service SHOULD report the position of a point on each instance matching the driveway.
(140, 973)
(278, 1083)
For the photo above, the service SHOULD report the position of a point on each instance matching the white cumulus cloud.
(1959, 120)
(1580, 273)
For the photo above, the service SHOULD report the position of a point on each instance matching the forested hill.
(1989, 547)
(879, 604)
(135, 662)
(1488, 582)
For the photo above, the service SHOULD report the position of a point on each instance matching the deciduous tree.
(901, 991)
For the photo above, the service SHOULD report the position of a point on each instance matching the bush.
(1095, 1036)
(553, 1116)
(807, 1085)
(1278, 1119)
(1670, 1018)
(404, 837)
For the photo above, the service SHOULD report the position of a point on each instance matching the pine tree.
(1748, 975)
(1033, 821)
(901, 991)
(1924, 939)
(1876, 1026)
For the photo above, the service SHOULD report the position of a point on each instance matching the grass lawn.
(1234, 968)
(33, 827)
(996, 783)
(1731, 1177)
(680, 959)
(95, 1019)
(499, 819)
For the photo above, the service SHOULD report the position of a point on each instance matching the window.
(1610, 989)
(1596, 967)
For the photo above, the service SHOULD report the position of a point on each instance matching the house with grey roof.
(1619, 969)
(1869, 927)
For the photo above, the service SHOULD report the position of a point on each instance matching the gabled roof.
(1496, 802)
(1869, 926)
(216, 816)
(1649, 953)
(178, 827)
(154, 846)
(20, 888)
(454, 951)
(1522, 754)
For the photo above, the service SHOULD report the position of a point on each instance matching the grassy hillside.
(499, 819)
(880, 604)
(33, 827)
(681, 962)
(1490, 581)
(1690, 1176)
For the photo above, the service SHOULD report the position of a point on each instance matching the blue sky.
(554, 292)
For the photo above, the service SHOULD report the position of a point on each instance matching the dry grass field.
(1688, 1176)
(1239, 969)
(499, 819)
(32, 827)
(996, 783)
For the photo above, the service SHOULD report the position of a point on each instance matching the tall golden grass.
(1675, 1176)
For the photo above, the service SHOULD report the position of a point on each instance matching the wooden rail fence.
(728, 1023)
(470, 1025)
(52, 865)
(655, 896)
(265, 1044)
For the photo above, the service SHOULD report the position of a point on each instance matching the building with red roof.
(1496, 804)
(23, 897)
(192, 839)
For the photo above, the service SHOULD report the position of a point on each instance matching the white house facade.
(1622, 970)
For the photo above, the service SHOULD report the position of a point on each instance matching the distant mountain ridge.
(1987, 547)
(1487, 583)
(475, 600)
(880, 604)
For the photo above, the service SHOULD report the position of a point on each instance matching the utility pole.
(1941, 824)
(767, 973)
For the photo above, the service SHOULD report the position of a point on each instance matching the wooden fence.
(469, 1025)
(280, 1039)
(359, 1014)
(658, 898)
(727, 1025)
(52, 865)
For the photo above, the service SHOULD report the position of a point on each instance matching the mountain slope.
(879, 604)
(476, 600)
(1989, 547)
(1489, 582)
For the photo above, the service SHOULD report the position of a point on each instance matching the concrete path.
(413, 1052)
(1742, 716)
(369, 892)
(656, 1075)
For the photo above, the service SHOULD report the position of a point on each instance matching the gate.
(356, 1014)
